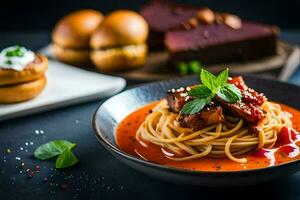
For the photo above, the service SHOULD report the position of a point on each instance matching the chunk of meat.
(208, 116)
(248, 94)
(249, 108)
(239, 82)
(253, 97)
(211, 114)
(250, 112)
(176, 99)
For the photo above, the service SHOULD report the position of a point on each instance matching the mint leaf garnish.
(195, 106)
(229, 93)
(222, 77)
(211, 86)
(209, 80)
(200, 91)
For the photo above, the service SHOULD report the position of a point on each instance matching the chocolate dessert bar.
(163, 15)
(219, 43)
(198, 33)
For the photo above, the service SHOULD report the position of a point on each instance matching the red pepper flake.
(31, 174)
(282, 154)
(218, 166)
(63, 186)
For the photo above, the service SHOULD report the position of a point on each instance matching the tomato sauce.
(285, 150)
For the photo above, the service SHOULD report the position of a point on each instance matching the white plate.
(65, 85)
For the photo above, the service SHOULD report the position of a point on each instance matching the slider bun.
(32, 71)
(71, 56)
(119, 28)
(119, 58)
(22, 92)
(74, 30)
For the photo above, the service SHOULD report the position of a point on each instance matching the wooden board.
(280, 66)
(286, 61)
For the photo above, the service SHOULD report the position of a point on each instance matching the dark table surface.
(98, 175)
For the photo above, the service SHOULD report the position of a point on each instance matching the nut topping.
(191, 23)
(206, 16)
(232, 20)
(219, 18)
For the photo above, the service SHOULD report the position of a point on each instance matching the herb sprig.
(61, 148)
(190, 67)
(211, 86)
(16, 52)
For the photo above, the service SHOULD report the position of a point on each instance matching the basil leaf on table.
(52, 149)
(65, 159)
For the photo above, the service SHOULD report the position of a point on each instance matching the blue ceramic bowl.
(112, 111)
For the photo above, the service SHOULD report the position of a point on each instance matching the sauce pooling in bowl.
(286, 149)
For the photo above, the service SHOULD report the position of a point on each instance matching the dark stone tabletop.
(98, 175)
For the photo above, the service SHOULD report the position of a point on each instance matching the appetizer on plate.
(22, 74)
(218, 125)
(71, 36)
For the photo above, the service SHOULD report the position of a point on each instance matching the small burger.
(119, 42)
(71, 36)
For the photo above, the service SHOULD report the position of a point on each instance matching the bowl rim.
(111, 147)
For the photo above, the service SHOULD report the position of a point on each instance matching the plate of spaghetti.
(220, 130)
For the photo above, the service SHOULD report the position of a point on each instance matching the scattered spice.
(282, 154)
(8, 150)
(63, 186)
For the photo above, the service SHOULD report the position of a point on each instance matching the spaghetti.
(230, 138)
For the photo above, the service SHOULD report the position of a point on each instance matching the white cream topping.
(15, 58)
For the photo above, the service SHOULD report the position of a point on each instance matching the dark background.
(99, 175)
(43, 14)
